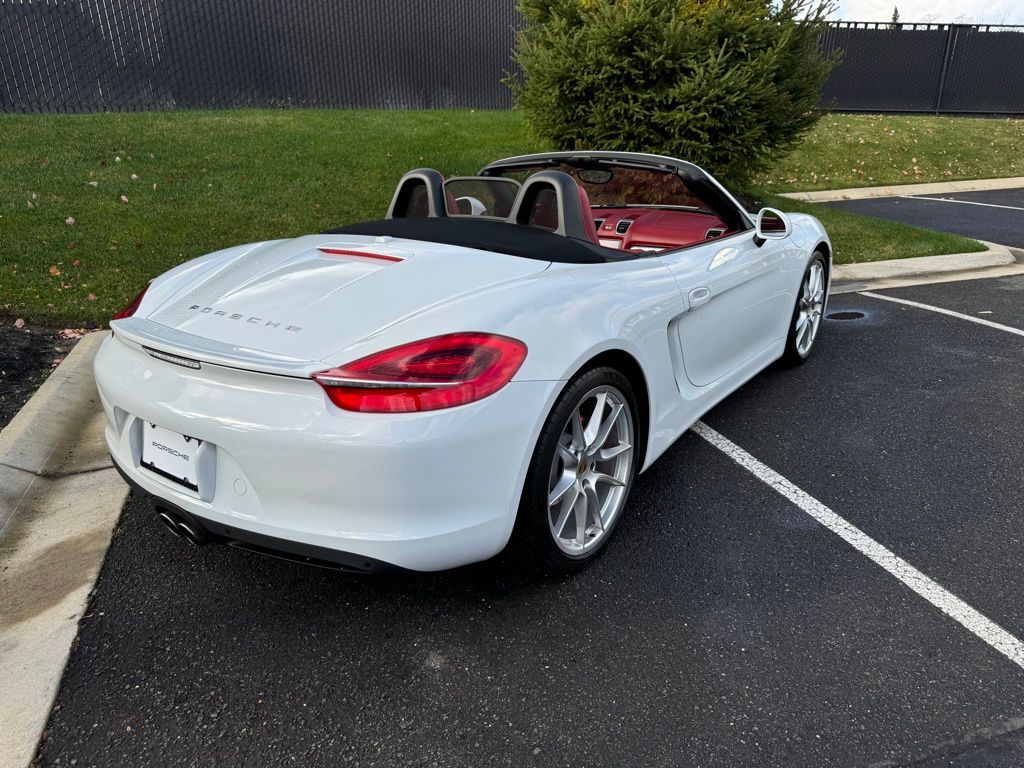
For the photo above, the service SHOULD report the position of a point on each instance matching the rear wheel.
(807, 314)
(580, 474)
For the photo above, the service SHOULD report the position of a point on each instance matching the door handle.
(699, 296)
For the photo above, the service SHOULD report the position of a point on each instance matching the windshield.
(613, 186)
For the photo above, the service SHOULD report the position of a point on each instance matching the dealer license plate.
(170, 454)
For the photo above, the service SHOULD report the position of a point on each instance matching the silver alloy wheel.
(592, 465)
(811, 305)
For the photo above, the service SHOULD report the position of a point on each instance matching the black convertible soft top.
(490, 235)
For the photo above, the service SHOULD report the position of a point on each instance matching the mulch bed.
(27, 355)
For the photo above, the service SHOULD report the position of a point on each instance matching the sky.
(943, 11)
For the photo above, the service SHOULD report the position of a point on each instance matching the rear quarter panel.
(566, 316)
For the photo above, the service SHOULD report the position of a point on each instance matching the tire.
(594, 475)
(808, 309)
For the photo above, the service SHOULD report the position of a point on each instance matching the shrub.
(728, 84)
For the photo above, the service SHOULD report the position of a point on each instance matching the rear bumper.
(210, 532)
(287, 471)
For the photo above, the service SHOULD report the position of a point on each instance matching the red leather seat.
(546, 200)
(588, 216)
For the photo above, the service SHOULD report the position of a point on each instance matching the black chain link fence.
(124, 55)
(939, 68)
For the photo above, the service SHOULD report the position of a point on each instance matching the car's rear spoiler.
(154, 337)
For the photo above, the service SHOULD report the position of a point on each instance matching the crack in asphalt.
(57, 475)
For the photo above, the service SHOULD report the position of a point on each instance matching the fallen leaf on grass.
(124, 200)
(54, 271)
(94, 183)
(91, 297)
(70, 221)
(135, 177)
(19, 323)
(72, 333)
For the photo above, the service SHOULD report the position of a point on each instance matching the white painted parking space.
(971, 619)
(943, 311)
(811, 572)
(994, 216)
(962, 202)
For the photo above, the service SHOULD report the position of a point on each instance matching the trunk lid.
(288, 303)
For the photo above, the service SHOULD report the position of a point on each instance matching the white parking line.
(945, 601)
(941, 311)
(962, 202)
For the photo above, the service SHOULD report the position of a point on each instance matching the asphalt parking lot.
(996, 215)
(724, 626)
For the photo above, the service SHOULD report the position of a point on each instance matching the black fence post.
(946, 56)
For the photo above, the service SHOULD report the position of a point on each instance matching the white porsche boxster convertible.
(487, 368)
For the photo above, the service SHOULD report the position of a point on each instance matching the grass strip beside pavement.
(857, 238)
(93, 206)
(880, 150)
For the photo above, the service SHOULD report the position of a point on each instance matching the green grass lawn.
(869, 150)
(148, 191)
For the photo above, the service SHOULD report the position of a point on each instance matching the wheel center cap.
(581, 470)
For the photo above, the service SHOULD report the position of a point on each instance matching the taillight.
(133, 305)
(439, 372)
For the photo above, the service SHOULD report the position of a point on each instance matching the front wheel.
(580, 475)
(810, 305)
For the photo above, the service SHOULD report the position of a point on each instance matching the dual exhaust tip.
(185, 529)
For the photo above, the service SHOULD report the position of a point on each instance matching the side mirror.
(771, 225)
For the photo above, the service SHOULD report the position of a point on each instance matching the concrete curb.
(997, 261)
(32, 440)
(995, 256)
(895, 190)
(36, 442)
(59, 500)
